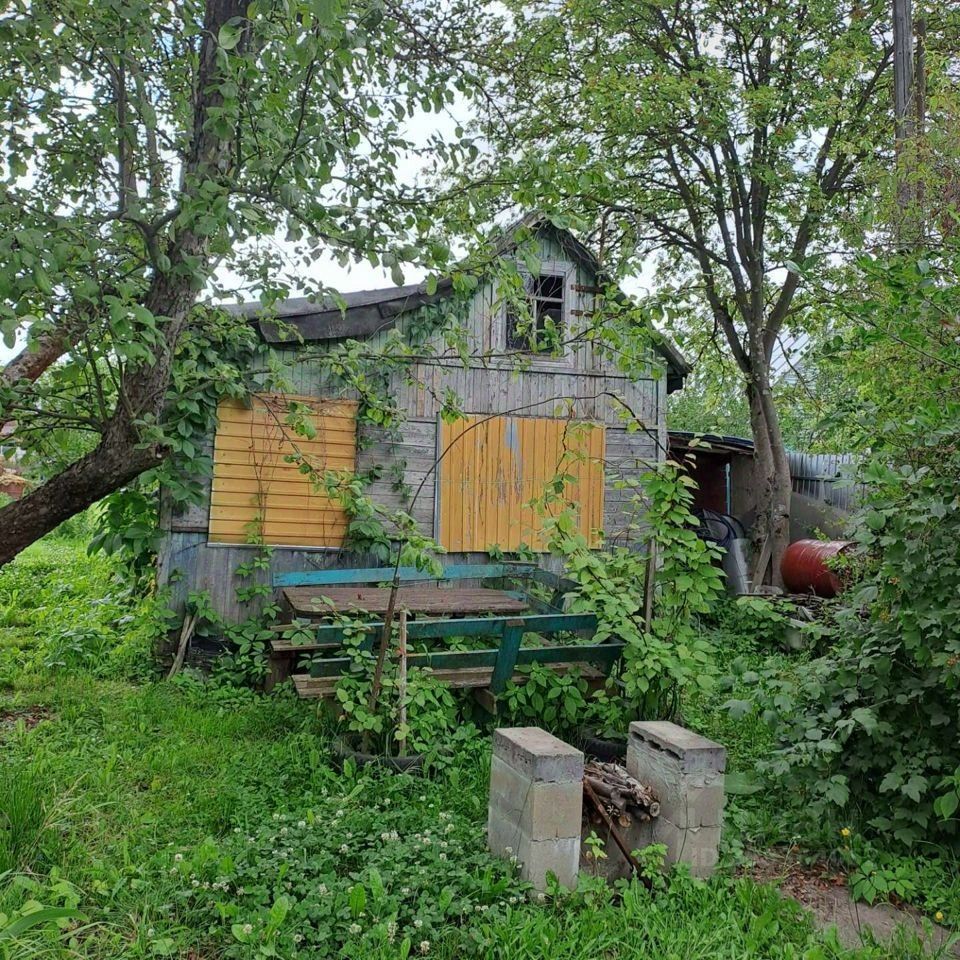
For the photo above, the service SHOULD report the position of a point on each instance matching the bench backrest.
(462, 571)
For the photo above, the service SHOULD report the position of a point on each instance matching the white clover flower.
(248, 928)
(339, 813)
(195, 883)
(322, 889)
(449, 828)
(355, 928)
(508, 849)
(405, 891)
(427, 841)
(241, 890)
(484, 908)
(422, 798)
(386, 801)
(418, 923)
(424, 946)
(283, 831)
(392, 931)
(151, 932)
(236, 829)
(178, 857)
(298, 938)
(443, 856)
(344, 848)
(514, 900)
(444, 844)
(276, 816)
(251, 840)
(301, 823)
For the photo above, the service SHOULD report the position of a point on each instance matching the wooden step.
(457, 678)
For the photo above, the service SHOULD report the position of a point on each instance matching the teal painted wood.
(464, 571)
(474, 627)
(598, 653)
(507, 657)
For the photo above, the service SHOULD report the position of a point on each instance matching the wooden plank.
(463, 571)
(322, 601)
(326, 634)
(450, 660)
(252, 479)
(496, 466)
(506, 657)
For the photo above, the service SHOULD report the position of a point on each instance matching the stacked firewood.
(619, 797)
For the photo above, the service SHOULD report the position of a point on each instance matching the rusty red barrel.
(804, 567)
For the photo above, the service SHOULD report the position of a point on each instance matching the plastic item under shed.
(735, 565)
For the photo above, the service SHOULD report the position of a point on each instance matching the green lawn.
(188, 822)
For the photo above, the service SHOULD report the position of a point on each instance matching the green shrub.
(671, 653)
(876, 721)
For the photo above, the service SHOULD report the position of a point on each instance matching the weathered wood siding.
(585, 384)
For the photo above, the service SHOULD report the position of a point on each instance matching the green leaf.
(37, 917)
(230, 33)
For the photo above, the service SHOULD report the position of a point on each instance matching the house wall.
(584, 385)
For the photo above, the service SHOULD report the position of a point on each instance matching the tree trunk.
(113, 463)
(771, 531)
(121, 455)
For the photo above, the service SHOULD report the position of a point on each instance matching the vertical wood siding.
(492, 468)
(256, 488)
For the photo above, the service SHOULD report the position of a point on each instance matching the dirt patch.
(824, 892)
(29, 716)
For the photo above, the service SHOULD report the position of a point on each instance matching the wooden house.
(474, 477)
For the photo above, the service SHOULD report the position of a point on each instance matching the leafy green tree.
(150, 149)
(727, 143)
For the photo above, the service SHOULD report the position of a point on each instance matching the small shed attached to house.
(529, 415)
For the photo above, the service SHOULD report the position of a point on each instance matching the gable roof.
(363, 313)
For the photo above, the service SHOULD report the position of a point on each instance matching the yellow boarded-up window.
(495, 467)
(257, 490)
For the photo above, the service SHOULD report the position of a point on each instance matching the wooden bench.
(486, 670)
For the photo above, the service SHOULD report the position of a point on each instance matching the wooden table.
(429, 600)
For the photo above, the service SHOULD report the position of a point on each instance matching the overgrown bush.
(671, 652)
(877, 719)
(874, 723)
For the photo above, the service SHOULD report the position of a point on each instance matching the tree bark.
(772, 478)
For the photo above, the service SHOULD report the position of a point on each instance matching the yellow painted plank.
(252, 478)
(495, 467)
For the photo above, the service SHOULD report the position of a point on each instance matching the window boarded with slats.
(494, 467)
(257, 489)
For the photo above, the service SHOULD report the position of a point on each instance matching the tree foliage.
(150, 152)
(725, 144)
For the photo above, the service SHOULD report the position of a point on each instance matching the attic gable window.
(542, 330)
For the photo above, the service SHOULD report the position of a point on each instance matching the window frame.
(548, 268)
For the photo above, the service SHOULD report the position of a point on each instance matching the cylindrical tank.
(804, 569)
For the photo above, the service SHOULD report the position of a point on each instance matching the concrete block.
(559, 857)
(694, 753)
(538, 755)
(544, 810)
(503, 834)
(698, 847)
